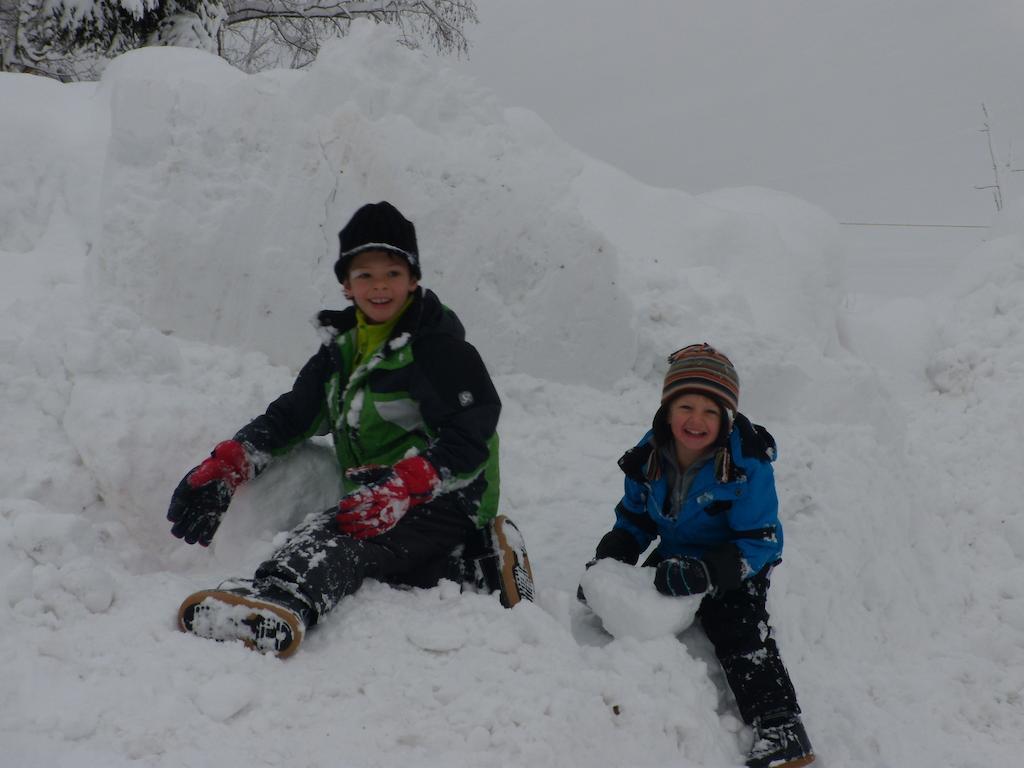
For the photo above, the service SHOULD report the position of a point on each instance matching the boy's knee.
(733, 627)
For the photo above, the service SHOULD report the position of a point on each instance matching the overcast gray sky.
(870, 109)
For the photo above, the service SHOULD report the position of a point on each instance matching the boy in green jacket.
(413, 415)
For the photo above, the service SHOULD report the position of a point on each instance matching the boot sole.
(515, 575)
(221, 615)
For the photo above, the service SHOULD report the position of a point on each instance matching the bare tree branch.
(997, 190)
(441, 21)
(72, 39)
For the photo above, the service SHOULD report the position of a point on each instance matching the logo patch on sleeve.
(465, 398)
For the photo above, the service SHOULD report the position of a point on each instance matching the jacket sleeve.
(631, 516)
(459, 405)
(294, 416)
(754, 520)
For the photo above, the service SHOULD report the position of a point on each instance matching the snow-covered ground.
(166, 236)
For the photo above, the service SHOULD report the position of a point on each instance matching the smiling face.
(695, 421)
(379, 283)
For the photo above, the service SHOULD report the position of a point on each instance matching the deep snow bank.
(216, 169)
(52, 149)
(228, 192)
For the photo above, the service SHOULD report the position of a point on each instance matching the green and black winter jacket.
(424, 391)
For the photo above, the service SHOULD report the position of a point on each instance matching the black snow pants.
(324, 565)
(736, 622)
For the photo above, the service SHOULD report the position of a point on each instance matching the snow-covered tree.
(71, 39)
(258, 34)
(32, 40)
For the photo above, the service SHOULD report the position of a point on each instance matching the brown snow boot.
(268, 621)
(494, 559)
(514, 576)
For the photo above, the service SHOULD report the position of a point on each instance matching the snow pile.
(726, 267)
(59, 182)
(977, 419)
(153, 307)
(238, 185)
(224, 194)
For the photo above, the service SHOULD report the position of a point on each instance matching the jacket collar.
(426, 313)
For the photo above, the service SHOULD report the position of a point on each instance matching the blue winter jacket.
(729, 516)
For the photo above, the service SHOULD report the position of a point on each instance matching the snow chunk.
(355, 409)
(46, 537)
(92, 585)
(224, 697)
(439, 636)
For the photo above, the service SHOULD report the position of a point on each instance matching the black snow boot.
(268, 620)
(780, 741)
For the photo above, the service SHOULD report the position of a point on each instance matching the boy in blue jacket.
(701, 482)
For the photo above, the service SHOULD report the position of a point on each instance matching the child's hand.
(378, 506)
(202, 497)
(681, 576)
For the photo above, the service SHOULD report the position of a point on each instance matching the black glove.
(203, 495)
(579, 587)
(680, 576)
(196, 512)
(616, 544)
(619, 545)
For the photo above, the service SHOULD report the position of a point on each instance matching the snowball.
(625, 600)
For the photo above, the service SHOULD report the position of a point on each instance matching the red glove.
(202, 497)
(379, 504)
(228, 463)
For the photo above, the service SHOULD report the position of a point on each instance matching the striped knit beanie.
(702, 369)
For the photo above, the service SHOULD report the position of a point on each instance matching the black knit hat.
(377, 227)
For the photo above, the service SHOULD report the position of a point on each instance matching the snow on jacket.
(730, 506)
(424, 391)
